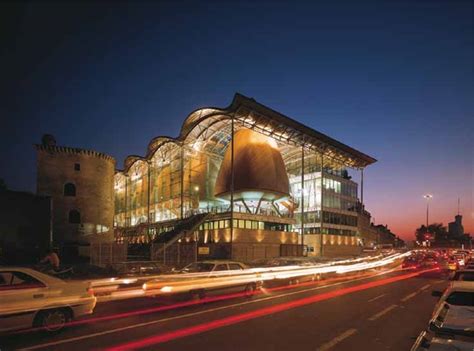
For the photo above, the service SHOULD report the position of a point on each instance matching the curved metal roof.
(250, 114)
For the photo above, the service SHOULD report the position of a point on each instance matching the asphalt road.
(385, 311)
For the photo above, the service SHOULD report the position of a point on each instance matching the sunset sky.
(391, 79)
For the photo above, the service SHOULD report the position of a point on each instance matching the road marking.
(381, 313)
(408, 297)
(88, 336)
(337, 340)
(425, 287)
(376, 298)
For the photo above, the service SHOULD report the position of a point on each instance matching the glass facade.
(177, 179)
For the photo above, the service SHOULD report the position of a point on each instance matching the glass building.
(246, 177)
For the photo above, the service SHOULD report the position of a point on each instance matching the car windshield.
(198, 267)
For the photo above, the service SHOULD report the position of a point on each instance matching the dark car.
(141, 268)
(411, 263)
(430, 262)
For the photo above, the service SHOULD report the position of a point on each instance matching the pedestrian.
(51, 259)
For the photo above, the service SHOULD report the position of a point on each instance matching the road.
(383, 311)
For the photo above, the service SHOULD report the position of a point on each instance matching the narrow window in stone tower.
(74, 217)
(69, 189)
(77, 166)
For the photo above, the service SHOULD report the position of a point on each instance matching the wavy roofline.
(240, 103)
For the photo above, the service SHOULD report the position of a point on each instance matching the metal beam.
(302, 194)
(232, 186)
(321, 251)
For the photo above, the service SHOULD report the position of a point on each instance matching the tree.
(3, 185)
(434, 231)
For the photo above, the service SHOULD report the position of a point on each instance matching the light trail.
(238, 318)
(199, 312)
(113, 288)
(200, 281)
(224, 297)
(185, 284)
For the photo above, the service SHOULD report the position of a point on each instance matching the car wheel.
(250, 290)
(53, 320)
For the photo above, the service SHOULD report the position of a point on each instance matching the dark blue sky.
(393, 79)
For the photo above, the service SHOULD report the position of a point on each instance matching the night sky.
(392, 79)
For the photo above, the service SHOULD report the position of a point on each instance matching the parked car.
(200, 278)
(466, 275)
(458, 293)
(33, 299)
(451, 326)
(427, 341)
(469, 265)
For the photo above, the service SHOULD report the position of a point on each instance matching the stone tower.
(80, 183)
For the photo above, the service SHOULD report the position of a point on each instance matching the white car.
(458, 294)
(200, 278)
(452, 324)
(427, 341)
(31, 299)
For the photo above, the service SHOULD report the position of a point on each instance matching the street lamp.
(428, 197)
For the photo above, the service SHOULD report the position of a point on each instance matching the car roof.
(37, 274)
(218, 261)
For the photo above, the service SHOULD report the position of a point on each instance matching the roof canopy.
(214, 124)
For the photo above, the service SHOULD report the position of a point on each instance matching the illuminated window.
(241, 223)
(248, 224)
(69, 189)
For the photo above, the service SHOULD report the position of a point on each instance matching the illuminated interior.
(279, 169)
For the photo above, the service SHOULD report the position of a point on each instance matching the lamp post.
(428, 197)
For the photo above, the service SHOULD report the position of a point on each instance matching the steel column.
(148, 199)
(126, 201)
(322, 212)
(182, 180)
(302, 195)
(232, 186)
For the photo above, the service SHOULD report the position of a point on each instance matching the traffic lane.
(127, 310)
(312, 326)
(398, 328)
(167, 326)
(99, 327)
(103, 326)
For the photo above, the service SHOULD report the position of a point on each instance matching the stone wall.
(92, 174)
